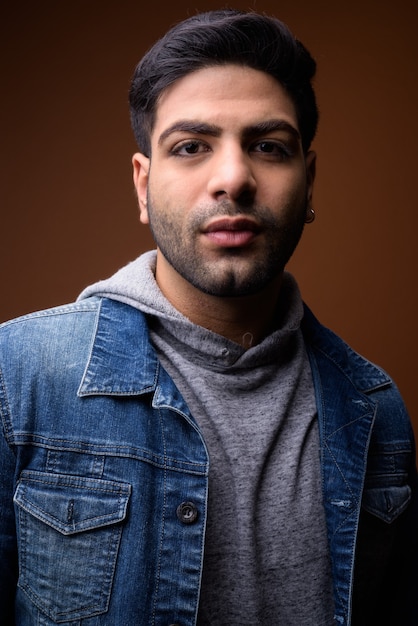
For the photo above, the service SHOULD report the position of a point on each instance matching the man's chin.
(233, 286)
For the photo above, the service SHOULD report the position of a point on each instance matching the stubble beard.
(235, 272)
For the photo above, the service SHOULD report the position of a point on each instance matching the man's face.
(227, 188)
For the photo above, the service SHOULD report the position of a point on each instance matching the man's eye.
(267, 146)
(189, 147)
(274, 148)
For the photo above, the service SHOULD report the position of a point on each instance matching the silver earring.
(310, 216)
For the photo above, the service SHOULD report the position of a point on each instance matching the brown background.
(68, 212)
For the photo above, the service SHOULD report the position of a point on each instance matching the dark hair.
(218, 38)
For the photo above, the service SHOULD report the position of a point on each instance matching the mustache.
(230, 209)
(261, 214)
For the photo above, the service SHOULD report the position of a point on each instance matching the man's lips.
(231, 232)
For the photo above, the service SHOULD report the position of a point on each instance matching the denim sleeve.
(405, 570)
(386, 575)
(8, 544)
(402, 581)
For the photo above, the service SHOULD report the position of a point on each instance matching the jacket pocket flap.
(72, 504)
(387, 503)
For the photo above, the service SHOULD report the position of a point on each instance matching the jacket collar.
(125, 363)
(121, 360)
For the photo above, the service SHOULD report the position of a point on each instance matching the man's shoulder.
(70, 326)
(89, 305)
(68, 313)
(332, 349)
(66, 325)
(40, 334)
(340, 367)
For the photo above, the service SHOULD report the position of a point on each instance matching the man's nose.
(232, 175)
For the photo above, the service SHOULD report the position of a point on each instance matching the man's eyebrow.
(190, 126)
(269, 126)
(252, 130)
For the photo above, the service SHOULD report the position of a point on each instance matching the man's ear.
(141, 165)
(310, 162)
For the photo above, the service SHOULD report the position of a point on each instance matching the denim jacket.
(104, 477)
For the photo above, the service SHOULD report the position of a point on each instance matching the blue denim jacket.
(104, 477)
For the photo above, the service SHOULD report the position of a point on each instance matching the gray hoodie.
(266, 554)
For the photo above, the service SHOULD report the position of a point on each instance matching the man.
(186, 444)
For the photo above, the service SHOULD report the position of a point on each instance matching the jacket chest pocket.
(387, 503)
(387, 492)
(69, 534)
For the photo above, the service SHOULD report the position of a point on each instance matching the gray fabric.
(266, 555)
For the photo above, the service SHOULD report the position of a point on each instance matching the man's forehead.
(228, 94)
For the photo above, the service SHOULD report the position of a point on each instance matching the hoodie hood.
(135, 284)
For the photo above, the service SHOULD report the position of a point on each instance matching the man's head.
(219, 38)
(224, 114)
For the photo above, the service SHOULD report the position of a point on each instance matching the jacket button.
(187, 512)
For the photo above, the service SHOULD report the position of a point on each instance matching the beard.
(228, 272)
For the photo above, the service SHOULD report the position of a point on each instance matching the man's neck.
(246, 320)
